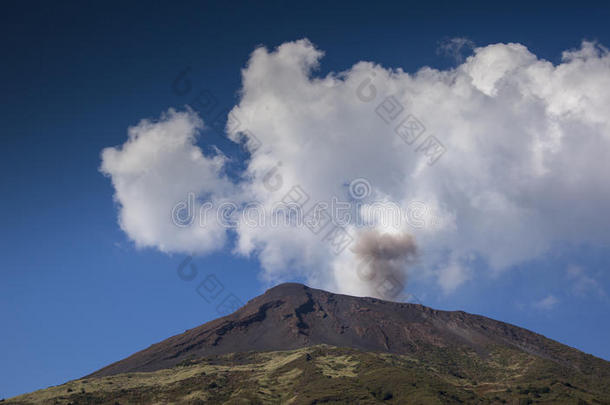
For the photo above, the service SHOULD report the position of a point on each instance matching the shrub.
(387, 395)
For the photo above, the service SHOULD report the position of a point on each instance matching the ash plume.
(383, 260)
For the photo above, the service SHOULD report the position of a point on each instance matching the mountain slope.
(299, 345)
(326, 374)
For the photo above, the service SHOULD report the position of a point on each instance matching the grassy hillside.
(326, 374)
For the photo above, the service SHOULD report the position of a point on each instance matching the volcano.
(303, 345)
(291, 316)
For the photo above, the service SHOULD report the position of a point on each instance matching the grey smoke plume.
(383, 261)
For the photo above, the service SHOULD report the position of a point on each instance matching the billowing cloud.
(506, 155)
(160, 172)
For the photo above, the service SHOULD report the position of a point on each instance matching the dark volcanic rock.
(291, 316)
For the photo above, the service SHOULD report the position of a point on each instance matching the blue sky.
(75, 292)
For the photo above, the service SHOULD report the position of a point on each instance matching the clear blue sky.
(75, 294)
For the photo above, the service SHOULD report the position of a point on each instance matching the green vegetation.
(325, 374)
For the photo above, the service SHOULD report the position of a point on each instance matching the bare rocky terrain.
(291, 316)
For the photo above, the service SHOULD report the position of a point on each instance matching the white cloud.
(582, 284)
(547, 303)
(525, 165)
(452, 276)
(455, 47)
(158, 166)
